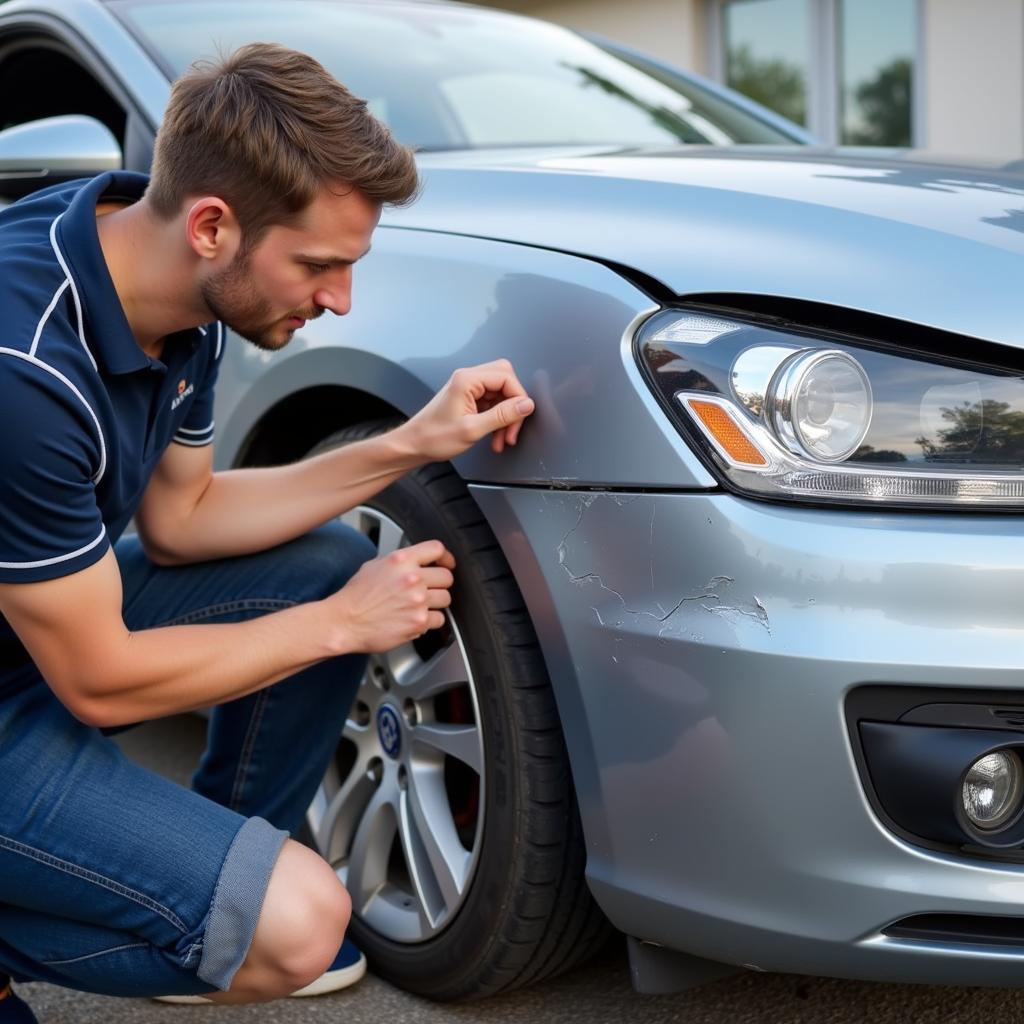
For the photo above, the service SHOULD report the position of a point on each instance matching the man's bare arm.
(106, 674)
(189, 513)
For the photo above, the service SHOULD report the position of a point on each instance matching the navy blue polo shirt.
(85, 414)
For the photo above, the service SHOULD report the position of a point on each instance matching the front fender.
(427, 303)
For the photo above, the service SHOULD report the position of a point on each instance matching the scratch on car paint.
(650, 553)
(757, 612)
(708, 596)
(585, 577)
(564, 483)
(585, 503)
(705, 593)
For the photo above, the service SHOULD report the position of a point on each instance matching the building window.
(844, 69)
(766, 48)
(877, 61)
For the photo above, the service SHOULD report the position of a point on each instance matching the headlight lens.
(992, 790)
(819, 404)
(788, 413)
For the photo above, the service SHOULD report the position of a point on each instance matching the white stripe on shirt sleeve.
(59, 558)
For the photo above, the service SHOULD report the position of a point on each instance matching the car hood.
(899, 233)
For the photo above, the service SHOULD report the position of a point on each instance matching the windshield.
(458, 77)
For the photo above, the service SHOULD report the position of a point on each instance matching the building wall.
(974, 76)
(675, 30)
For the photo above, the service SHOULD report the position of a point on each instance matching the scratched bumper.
(701, 647)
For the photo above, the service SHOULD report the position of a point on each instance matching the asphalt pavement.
(597, 993)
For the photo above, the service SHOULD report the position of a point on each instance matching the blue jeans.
(115, 880)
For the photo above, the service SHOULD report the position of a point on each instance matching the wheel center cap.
(389, 730)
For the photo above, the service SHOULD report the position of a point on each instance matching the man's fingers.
(436, 576)
(512, 433)
(428, 552)
(500, 416)
(497, 378)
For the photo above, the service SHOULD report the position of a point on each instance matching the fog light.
(992, 790)
(819, 404)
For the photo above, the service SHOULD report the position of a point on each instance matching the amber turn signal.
(726, 432)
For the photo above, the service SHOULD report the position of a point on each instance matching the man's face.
(295, 273)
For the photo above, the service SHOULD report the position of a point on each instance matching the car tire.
(526, 913)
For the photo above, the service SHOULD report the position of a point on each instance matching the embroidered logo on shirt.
(184, 390)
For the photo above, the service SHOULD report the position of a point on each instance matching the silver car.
(734, 661)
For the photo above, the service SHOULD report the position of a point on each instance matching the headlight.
(992, 790)
(819, 404)
(787, 413)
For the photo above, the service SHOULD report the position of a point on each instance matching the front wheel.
(449, 810)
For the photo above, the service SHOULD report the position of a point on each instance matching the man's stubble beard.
(232, 298)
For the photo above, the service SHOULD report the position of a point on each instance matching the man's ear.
(212, 229)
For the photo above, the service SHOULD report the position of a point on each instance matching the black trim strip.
(576, 487)
(967, 929)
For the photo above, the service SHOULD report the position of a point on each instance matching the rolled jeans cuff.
(238, 900)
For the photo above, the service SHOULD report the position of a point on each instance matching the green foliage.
(868, 453)
(775, 83)
(984, 431)
(883, 104)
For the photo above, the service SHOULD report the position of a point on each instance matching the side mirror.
(52, 150)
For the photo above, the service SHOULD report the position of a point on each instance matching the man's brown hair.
(265, 129)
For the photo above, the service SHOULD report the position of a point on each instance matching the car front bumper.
(701, 647)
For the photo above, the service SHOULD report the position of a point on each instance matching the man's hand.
(475, 402)
(395, 599)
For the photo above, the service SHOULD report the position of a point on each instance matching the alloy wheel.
(399, 813)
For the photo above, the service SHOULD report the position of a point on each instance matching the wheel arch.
(310, 396)
(292, 427)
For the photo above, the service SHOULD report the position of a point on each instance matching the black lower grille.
(973, 929)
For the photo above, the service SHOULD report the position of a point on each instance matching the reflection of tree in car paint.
(1012, 219)
(985, 431)
(918, 176)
